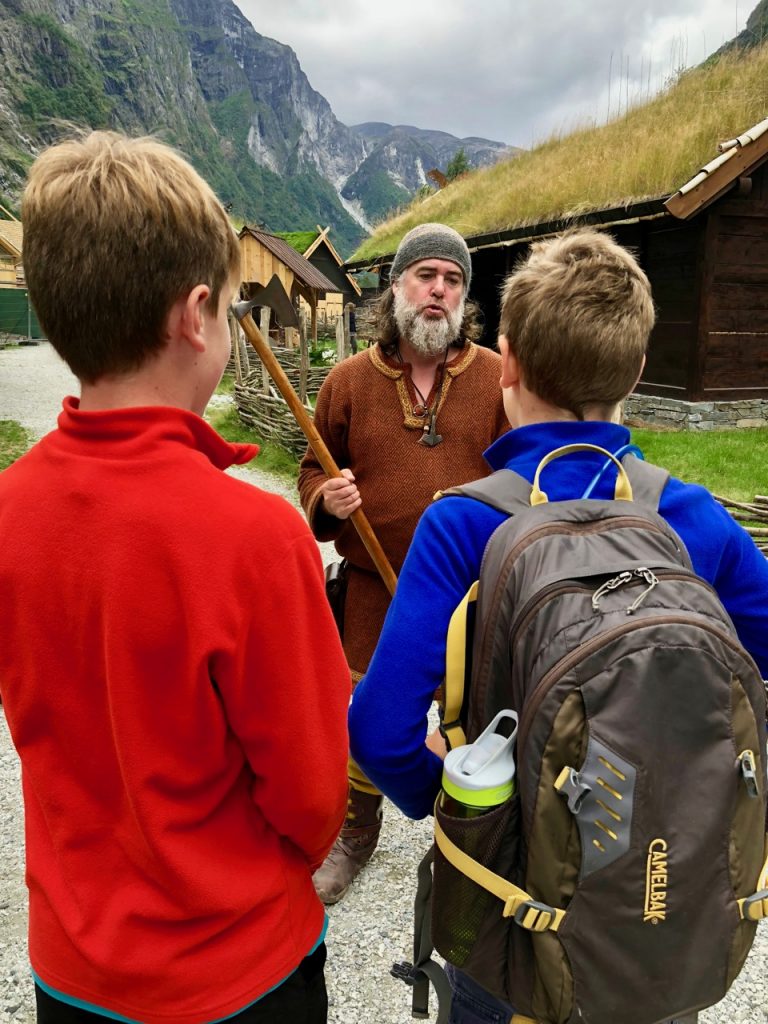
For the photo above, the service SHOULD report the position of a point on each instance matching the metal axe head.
(273, 295)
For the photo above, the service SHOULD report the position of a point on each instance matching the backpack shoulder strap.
(504, 490)
(648, 481)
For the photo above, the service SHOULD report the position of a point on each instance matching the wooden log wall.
(259, 264)
(734, 350)
(671, 255)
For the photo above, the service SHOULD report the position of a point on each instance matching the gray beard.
(428, 337)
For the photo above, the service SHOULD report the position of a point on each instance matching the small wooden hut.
(317, 247)
(264, 255)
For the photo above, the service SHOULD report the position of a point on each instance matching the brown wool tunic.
(365, 415)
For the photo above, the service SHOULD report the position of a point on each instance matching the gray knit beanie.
(430, 242)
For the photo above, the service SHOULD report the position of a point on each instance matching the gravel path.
(371, 928)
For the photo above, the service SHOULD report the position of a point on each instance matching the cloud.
(515, 72)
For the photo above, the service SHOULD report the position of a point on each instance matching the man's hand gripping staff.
(340, 494)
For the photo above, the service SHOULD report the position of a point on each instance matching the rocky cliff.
(199, 75)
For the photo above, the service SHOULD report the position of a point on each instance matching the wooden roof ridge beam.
(738, 157)
(323, 237)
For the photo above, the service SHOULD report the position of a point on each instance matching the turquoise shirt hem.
(80, 1004)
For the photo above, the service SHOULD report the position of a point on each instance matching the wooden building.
(17, 318)
(321, 253)
(264, 255)
(11, 269)
(705, 250)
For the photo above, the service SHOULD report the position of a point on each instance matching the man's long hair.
(386, 332)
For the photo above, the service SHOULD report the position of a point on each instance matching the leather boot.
(352, 850)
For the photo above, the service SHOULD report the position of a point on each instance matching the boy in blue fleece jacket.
(575, 322)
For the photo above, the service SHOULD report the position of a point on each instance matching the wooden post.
(265, 313)
(339, 340)
(313, 313)
(303, 358)
(234, 333)
(347, 343)
(244, 360)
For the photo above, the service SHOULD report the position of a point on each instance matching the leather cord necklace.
(429, 436)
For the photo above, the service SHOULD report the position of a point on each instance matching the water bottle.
(480, 776)
(476, 778)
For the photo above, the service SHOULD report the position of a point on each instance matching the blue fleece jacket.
(388, 714)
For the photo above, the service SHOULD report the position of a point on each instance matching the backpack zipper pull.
(628, 576)
(612, 584)
(651, 579)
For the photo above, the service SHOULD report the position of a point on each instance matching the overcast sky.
(511, 70)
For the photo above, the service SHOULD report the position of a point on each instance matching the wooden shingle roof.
(303, 270)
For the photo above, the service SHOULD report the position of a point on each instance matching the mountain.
(237, 103)
(753, 34)
(401, 157)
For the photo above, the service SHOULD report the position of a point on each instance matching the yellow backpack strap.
(754, 908)
(623, 490)
(455, 671)
(527, 912)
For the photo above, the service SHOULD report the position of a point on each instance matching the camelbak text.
(656, 882)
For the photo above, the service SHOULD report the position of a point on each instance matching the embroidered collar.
(396, 371)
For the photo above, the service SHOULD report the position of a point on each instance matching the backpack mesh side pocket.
(462, 911)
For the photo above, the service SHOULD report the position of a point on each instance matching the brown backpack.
(624, 880)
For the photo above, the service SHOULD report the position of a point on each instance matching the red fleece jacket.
(177, 693)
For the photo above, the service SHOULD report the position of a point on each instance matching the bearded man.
(409, 416)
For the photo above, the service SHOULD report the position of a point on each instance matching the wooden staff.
(324, 457)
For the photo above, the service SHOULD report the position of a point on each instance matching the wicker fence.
(753, 516)
(266, 411)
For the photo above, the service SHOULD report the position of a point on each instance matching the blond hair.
(577, 313)
(115, 231)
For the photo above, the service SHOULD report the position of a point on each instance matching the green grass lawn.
(730, 463)
(14, 441)
(226, 384)
(272, 457)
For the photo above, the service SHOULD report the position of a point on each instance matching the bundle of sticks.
(752, 515)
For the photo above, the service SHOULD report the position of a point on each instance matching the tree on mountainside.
(457, 165)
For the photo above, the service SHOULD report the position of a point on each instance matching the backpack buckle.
(534, 916)
(749, 772)
(405, 971)
(570, 785)
(755, 908)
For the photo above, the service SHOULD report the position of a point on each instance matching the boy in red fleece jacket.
(170, 671)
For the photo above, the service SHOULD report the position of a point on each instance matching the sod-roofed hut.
(264, 255)
(705, 250)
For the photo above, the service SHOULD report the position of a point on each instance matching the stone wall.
(654, 411)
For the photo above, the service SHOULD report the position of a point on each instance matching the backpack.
(624, 879)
